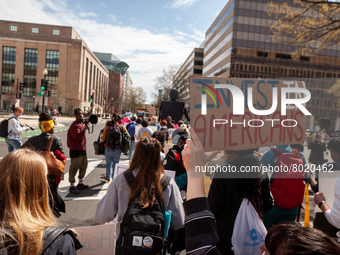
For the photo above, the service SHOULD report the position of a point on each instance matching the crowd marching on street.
(253, 213)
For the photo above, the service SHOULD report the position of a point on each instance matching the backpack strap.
(277, 152)
(50, 235)
(49, 144)
(165, 181)
(130, 178)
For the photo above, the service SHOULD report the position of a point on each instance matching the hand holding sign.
(193, 155)
(151, 109)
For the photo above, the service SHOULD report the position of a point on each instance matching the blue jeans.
(13, 144)
(112, 158)
(132, 149)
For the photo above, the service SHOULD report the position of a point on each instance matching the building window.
(56, 32)
(35, 30)
(198, 63)
(283, 56)
(30, 71)
(90, 79)
(199, 71)
(28, 106)
(52, 66)
(14, 28)
(54, 93)
(198, 54)
(262, 54)
(304, 58)
(8, 70)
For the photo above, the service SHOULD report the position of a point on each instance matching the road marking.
(64, 185)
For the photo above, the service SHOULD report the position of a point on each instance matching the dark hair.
(139, 121)
(133, 118)
(252, 185)
(148, 160)
(164, 123)
(168, 118)
(334, 144)
(114, 118)
(45, 116)
(180, 122)
(292, 238)
(159, 136)
(77, 110)
(145, 123)
(299, 147)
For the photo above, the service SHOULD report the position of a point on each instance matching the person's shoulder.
(64, 244)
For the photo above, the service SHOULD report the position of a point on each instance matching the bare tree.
(135, 98)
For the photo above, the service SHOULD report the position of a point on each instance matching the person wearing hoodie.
(13, 139)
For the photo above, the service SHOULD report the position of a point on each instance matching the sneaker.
(74, 190)
(82, 186)
(106, 179)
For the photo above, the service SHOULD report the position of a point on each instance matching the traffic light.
(42, 87)
(91, 99)
(46, 84)
(49, 93)
(20, 96)
(21, 86)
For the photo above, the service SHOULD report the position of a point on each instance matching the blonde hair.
(153, 119)
(18, 109)
(24, 208)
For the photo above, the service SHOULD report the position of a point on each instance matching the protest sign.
(234, 114)
(96, 239)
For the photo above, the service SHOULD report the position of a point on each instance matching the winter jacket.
(39, 142)
(14, 128)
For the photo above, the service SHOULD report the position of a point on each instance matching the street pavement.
(80, 208)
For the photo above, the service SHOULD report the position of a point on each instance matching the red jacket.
(76, 137)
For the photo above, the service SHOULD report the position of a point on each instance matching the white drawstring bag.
(249, 231)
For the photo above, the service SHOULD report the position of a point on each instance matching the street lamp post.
(33, 103)
(45, 72)
(111, 106)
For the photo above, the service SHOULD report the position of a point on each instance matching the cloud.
(182, 3)
(87, 14)
(146, 52)
(113, 17)
(103, 4)
(178, 18)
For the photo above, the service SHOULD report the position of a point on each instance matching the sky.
(149, 35)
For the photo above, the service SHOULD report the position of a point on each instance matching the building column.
(337, 124)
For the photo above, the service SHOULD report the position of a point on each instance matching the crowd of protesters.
(200, 223)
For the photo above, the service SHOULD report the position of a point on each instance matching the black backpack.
(114, 137)
(4, 128)
(142, 229)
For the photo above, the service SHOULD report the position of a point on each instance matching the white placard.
(326, 186)
(97, 239)
(121, 168)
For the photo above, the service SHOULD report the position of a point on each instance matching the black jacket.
(39, 143)
(65, 244)
(225, 198)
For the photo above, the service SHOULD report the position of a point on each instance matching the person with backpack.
(28, 227)
(146, 191)
(14, 130)
(131, 128)
(228, 191)
(287, 187)
(144, 131)
(113, 142)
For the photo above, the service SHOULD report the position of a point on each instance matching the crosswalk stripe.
(92, 164)
(64, 185)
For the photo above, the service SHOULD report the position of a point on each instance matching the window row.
(35, 30)
(282, 71)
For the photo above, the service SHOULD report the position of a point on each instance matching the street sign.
(17, 102)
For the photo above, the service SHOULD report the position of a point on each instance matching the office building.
(238, 44)
(74, 72)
